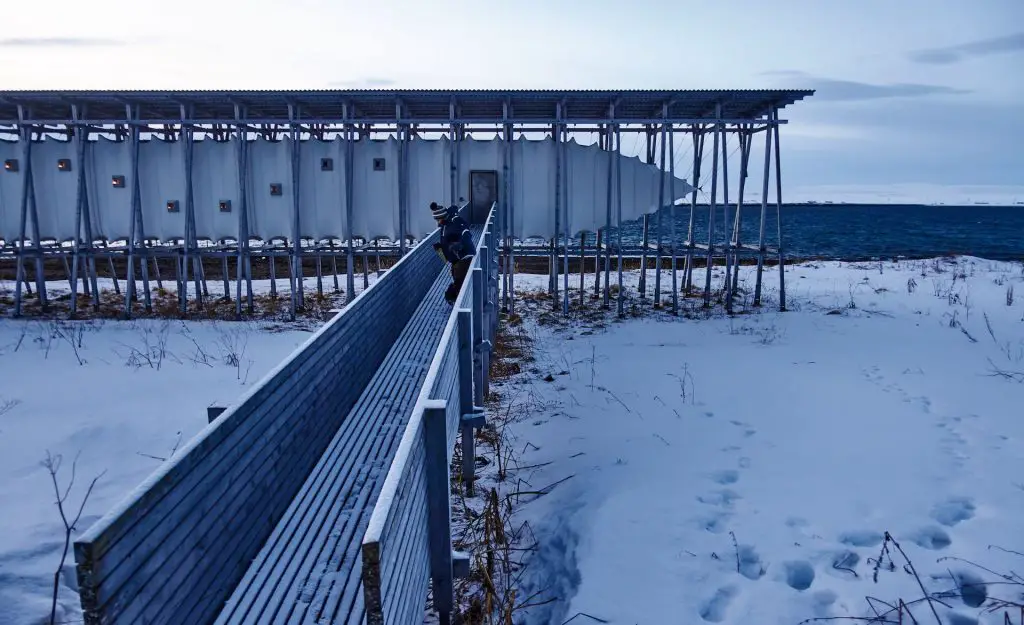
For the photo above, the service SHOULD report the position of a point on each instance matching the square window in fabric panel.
(11, 164)
(327, 164)
(11, 187)
(172, 206)
(162, 179)
(215, 179)
(56, 194)
(270, 163)
(117, 182)
(110, 205)
(322, 192)
(375, 193)
(378, 164)
(64, 164)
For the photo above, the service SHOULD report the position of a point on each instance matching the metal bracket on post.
(475, 419)
(435, 442)
(471, 414)
(477, 317)
(460, 564)
(212, 412)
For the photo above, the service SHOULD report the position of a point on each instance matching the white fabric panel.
(534, 188)
(629, 189)
(110, 207)
(162, 179)
(429, 181)
(587, 184)
(215, 178)
(375, 203)
(322, 193)
(478, 155)
(56, 191)
(270, 162)
(10, 192)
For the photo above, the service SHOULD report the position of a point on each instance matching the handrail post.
(435, 442)
(472, 416)
(480, 345)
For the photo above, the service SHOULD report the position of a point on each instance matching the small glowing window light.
(11, 164)
(117, 181)
(172, 206)
(225, 206)
(64, 164)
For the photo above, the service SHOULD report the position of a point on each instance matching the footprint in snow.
(973, 589)
(715, 522)
(799, 574)
(727, 476)
(934, 538)
(955, 618)
(724, 498)
(795, 521)
(751, 566)
(713, 610)
(861, 538)
(952, 511)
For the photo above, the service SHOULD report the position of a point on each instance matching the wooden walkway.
(309, 569)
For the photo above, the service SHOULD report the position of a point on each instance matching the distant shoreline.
(863, 204)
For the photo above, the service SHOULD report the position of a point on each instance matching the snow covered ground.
(805, 435)
(746, 470)
(117, 396)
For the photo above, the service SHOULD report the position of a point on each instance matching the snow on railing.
(408, 540)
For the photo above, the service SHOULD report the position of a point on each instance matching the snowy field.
(737, 470)
(118, 396)
(746, 470)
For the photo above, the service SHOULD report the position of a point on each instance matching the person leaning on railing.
(456, 246)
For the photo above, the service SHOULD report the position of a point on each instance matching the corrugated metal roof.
(380, 105)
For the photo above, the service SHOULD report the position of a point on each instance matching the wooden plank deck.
(309, 569)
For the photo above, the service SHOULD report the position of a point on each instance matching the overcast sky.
(911, 93)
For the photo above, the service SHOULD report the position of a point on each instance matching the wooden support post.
(481, 347)
(472, 416)
(435, 443)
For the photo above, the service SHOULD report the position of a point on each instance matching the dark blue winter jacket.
(456, 239)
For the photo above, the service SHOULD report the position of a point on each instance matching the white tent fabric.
(375, 203)
(56, 191)
(215, 175)
(321, 192)
(533, 188)
(429, 181)
(270, 165)
(215, 179)
(10, 192)
(161, 180)
(109, 206)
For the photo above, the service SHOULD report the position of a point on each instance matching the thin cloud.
(954, 54)
(364, 83)
(58, 42)
(837, 90)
